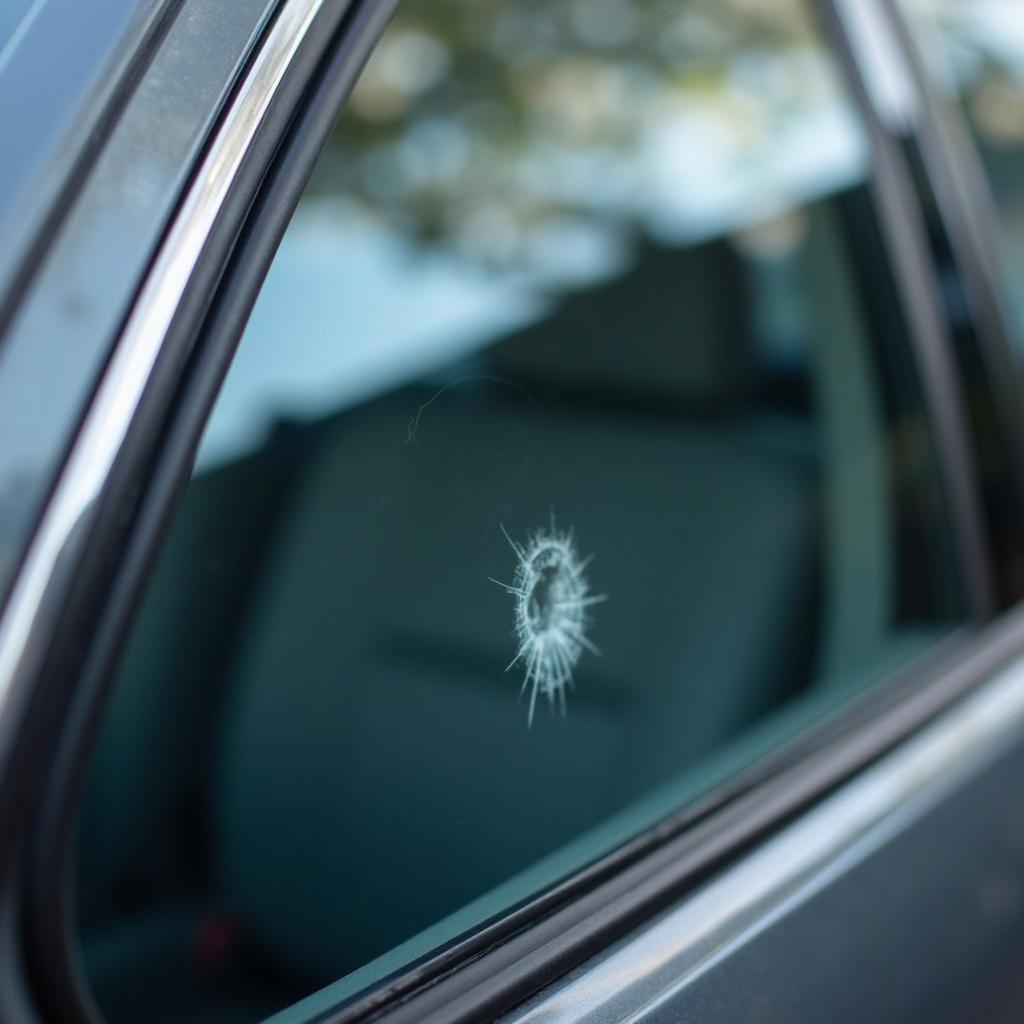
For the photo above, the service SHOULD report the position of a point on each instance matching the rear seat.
(378, 771)
(371, 769)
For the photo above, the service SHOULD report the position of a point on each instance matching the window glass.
(975, 49)
(572, 460)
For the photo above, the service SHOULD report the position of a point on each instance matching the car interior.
(314, 750)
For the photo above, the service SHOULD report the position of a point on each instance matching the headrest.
(670, 328)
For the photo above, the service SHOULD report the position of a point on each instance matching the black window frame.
(961, 227)
(507, 960)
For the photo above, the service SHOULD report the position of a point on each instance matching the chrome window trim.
(658, 963)
(91, 256)
(68, 514)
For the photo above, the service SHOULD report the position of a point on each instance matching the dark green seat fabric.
(140, 818)
(343, 759)
(143, 868)
(378, 771)
(165, 967)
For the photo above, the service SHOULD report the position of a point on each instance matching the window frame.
(498, 966)
(963, 235)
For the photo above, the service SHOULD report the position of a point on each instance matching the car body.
(867, 863)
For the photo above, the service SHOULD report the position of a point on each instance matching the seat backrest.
(377, 770)
(138, 834)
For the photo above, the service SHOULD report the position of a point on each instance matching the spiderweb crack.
(552, 599)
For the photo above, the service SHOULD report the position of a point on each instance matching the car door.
(543, 545)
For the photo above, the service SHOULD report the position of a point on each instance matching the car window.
(975, 51)
(573, 459)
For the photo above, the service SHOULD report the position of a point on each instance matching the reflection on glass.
(571, 304)
(496, 154)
